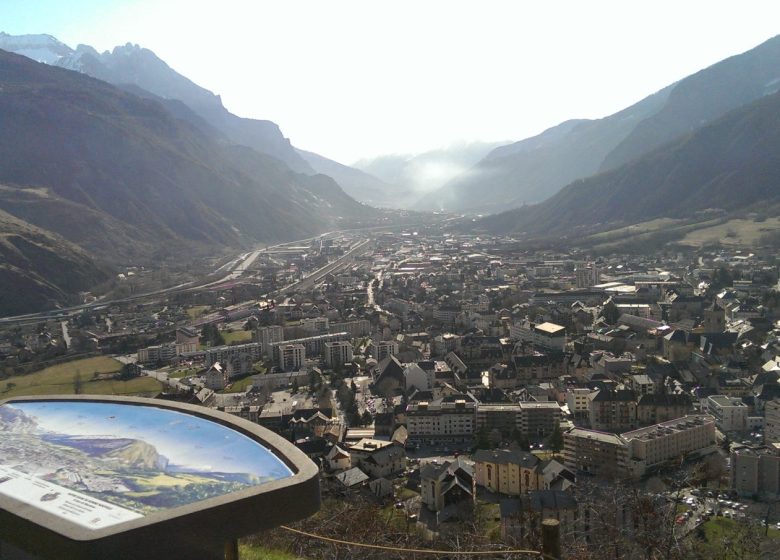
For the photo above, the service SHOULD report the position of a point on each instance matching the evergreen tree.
(483, 442)
(555, 441)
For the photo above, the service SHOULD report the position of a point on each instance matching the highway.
(239, 266)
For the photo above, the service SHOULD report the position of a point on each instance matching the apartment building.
(534, 420)
(534, 367)
(236, 359)
(595, 452)
(670, 441)
(543, 335)
(356, 329)
(613, 411)
(656, 408)
(731, 414)
(578, 401)
(292, 356)
(502, 417)
(187, 341)
(632, 454)
(314, 345)
(587, 274)
(154, 354)
(447, 420)
(538, 419)
(337, 353)
(772, 422)
(755, 471)
(382, 349)
(314, 325)
(268, 335)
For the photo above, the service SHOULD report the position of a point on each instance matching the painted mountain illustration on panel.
(124, 471)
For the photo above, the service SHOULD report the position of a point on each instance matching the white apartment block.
(440, 421)
(291, 356)
(314, 345)
(275, 381)
(632, 454)
(730, 413)
(315, 325)
(587, 274)
(594, 452)
(578, 402)
(755, 471)
(154, 354)
(268, 335)
(383, 348)
(337, 353)
(543, 335)
(655, 445)
(224, 354)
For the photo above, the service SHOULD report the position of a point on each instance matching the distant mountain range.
(114, 158)
(534, 169)
(731, 164)
(128, 178)
(140, 71)
(131, 65)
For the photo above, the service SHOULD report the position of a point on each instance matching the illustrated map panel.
(100, 464)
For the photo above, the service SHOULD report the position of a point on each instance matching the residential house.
(352, 478)
(215, 377)
(378, 458)
(338, 459)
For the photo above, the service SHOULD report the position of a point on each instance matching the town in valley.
(444, 378)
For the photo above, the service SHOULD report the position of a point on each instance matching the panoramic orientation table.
(118, 477)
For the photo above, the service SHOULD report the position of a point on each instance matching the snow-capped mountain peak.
(40, 47)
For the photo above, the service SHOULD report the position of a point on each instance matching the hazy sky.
(350, 79)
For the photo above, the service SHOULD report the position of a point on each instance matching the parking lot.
(703, 505)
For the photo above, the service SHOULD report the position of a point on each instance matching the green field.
(635, 229)
(237, 336)
(240, 385)
(740, 233)
(60, 380)
(197, 310)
